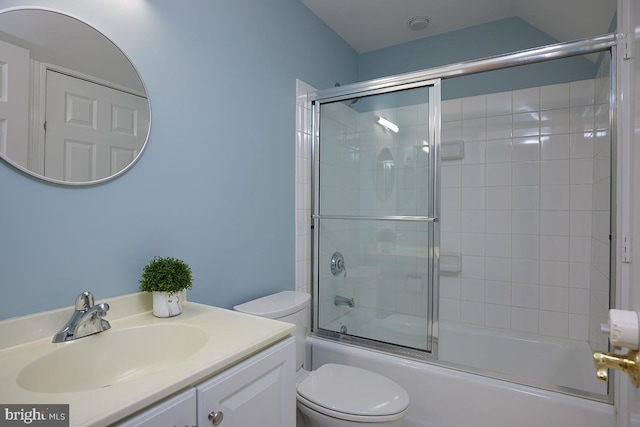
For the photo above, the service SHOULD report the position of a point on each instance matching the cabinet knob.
(216, 417)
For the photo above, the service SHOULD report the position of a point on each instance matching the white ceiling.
(374, 24)
(61, 40)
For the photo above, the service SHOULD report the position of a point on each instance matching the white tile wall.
(527, 190)
(528, 208)
(303, 188)
(599, 219)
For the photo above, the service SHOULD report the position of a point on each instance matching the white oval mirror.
(73, 108)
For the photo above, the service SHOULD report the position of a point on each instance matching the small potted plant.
(166, 278)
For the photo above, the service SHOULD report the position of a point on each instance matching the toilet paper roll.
(624, 329)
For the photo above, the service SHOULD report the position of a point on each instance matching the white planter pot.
(166, 304)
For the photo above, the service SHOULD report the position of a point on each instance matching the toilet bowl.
(333, 395)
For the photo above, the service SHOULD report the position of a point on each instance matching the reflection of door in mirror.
(14, 102)
(96, 94)
(93, 131)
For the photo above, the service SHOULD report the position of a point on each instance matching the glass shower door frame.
(605, 43)
(432, 218)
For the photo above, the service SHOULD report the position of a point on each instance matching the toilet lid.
(275, 306)
(355, 391)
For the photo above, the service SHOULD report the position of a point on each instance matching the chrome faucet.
(338, 300)
(87, 319)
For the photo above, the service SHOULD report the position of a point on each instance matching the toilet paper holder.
(624, 331)
(629, 363)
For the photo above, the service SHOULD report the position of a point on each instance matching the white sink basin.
(141, 360)
(111, 357)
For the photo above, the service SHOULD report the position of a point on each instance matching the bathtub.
(446, 397)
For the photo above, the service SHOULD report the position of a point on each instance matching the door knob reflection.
(629, 363)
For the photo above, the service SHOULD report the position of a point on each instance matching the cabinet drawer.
(177, 411)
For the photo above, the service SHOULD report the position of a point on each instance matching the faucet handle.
(85, 301)
(337, 264)
(101, 309)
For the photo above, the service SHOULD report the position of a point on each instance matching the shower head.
(353, 101)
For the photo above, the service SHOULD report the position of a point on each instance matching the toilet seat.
(352, 394)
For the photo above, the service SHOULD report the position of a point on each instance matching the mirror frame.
(54, 68)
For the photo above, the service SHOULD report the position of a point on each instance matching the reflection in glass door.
(374, 229)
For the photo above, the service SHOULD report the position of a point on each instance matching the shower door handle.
(394, 218)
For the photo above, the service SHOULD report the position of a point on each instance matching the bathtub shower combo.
(462, 237)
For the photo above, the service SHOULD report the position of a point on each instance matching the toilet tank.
(286, 306)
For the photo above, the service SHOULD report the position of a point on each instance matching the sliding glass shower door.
(375, 217)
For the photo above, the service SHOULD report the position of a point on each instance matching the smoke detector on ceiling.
(418, 23)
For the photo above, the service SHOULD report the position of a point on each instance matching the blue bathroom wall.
(494, 38)
(215, 186)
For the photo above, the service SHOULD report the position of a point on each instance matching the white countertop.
(231, 337)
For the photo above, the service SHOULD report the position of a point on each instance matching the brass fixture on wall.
(629, 363)
(623, 330)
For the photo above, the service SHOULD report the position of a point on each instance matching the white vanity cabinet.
(177, 411)
(259, 391)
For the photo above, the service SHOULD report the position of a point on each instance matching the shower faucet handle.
(337, 264)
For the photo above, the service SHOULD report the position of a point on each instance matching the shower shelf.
(450, 262)
(452, 150)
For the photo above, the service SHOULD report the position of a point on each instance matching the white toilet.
(333, 395)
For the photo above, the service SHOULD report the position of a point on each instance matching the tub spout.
(339, 300)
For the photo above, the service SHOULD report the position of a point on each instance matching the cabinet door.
(257, 392)
(178, 411)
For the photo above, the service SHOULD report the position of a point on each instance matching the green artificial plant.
(166, 274)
